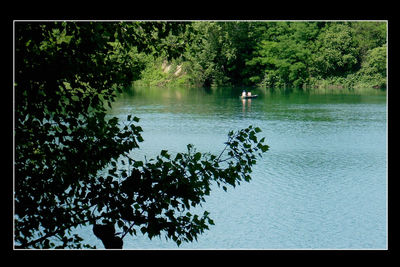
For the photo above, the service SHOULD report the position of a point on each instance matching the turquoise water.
(322, 184)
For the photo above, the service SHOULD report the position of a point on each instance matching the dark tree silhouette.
(72, 164)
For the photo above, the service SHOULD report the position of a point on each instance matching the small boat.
(248, 96)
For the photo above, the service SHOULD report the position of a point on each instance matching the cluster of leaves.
(65, 74)
(336, 51)
(282, 56)
(299, 53)
(67, 152)
(210, 54)
(156, 196)
(158, 38)
(374, 66)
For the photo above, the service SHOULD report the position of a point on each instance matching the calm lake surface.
(322, 184)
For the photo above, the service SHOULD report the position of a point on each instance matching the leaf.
(138, 163)
(113, 121)
(67, 85)
(164, 153)
(197, 156)
(264, 148)
(143, 230)
(127, 213)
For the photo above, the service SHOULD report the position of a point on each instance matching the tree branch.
(26, 245)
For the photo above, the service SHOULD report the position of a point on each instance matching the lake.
(321, 185)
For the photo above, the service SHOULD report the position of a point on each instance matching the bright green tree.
(373, 68)
(336, 53)
(282, 57)
(368, 35)
(210, 53)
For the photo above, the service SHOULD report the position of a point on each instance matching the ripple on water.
(322, 184)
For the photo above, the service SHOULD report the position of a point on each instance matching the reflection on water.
(246, 103)
(322, 184)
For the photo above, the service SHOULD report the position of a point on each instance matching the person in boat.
(244, 93)
(248, 93)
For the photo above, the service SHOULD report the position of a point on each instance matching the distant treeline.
(262, 54)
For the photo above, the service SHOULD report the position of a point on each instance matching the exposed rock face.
(178, 70)
(166, 67)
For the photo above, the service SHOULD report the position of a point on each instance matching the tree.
(336, 51)
(243, 38)
(282, 56)
(267, 54)
(368, 35)
(210, 53)
(72, 164)
(373, 68)
(159, 38)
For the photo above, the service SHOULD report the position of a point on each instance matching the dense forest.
(295, 54)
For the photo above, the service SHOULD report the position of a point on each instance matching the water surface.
(322, 184)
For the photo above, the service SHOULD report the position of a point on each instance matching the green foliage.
(65, 74)
(157, 195)
(375, 61)
(282, 63)
(368, 35)
(160, 72)
(282, 58)
(266, 54)
(336, 51)
(296, 54)
(210, 52)
(159, 38)
(373, 69)
(72, 164)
